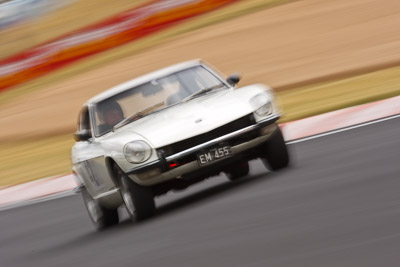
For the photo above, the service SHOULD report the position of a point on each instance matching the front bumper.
(160, 171)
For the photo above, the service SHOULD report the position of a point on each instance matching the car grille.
(202, 138)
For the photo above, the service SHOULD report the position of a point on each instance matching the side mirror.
(82, 135)
(233, 79)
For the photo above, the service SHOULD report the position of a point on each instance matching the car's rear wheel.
(238, 171)
(101, 217)
(276, 155)
(138, 199)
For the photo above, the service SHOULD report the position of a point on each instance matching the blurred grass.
(231, 11)
(33, 159)
(28, 160)
(324, 97)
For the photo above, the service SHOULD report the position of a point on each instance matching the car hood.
(194, 117)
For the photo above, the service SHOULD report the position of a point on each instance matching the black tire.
(101, 217)
(276, 155)
(238, 171)
(138, 199)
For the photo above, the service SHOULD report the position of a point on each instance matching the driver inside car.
(110, 116)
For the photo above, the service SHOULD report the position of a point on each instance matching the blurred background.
(318, 55)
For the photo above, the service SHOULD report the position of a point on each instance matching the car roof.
(143, 79)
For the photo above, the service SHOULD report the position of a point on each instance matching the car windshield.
(147, 98)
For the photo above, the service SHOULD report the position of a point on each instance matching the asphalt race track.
(338, 205)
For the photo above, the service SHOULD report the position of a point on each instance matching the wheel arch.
(110, 162)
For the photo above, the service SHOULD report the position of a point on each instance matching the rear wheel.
(238, 171)
(276, 155)
(101, 217)
(138, 199)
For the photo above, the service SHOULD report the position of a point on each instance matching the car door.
(89, 161)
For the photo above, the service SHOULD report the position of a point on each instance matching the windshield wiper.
(138, 115)
(203, 91)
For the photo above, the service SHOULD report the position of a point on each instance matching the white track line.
(37, 200)
(342, 130)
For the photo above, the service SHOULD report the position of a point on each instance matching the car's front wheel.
(138, 199)
(101, 217)
(275, 153)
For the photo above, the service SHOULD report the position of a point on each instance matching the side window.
(84, 120)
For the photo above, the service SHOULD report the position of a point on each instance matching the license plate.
(213, 154)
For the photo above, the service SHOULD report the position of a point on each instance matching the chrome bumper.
(267, 126)
(226, 137)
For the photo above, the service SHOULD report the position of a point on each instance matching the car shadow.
(166, 209)
(207, 194)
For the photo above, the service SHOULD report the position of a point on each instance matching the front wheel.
(101, 217)
(138, 199)
(275, 154)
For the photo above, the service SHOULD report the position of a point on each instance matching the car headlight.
(262, 104)
(137, 151)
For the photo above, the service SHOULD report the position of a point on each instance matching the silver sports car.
(168, 130)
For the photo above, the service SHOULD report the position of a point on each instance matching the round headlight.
(137, 151)
(262, 104)
(264, 110)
